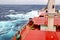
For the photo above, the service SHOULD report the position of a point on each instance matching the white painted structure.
(51, 12)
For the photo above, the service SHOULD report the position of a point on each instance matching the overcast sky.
(26, 1)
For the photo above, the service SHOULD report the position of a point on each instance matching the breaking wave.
(9, 28)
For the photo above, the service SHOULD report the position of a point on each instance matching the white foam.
(26, 16)
(6, 25)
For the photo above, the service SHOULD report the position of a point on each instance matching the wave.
(24, 16)
(14, 19)
(7, 26)
(14, 25)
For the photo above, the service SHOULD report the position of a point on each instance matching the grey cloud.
(26, 1)
(23, 1)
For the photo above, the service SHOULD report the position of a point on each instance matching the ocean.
(14, 17)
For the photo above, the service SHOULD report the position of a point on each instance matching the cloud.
(57, 2)
(23, 1)
(26, 1)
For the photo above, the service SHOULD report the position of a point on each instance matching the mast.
(51, 13)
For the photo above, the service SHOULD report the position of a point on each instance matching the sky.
(41, 2)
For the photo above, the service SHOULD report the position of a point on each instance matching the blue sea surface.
(14, 17)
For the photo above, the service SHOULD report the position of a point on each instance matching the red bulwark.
(40, 20)
(44, 20)
(57, 21)
(14, 38)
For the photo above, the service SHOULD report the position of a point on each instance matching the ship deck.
(35, 35)
(42, 35)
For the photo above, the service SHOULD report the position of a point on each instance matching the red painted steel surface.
(58, 35)
(57, 20)
(35, 35)
(14, 38)
(44, 20)
(51, 36)
(41, 35)
(40, 20)
(24, 32)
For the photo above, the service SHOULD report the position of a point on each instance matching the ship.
(44, 27)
